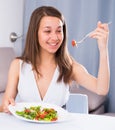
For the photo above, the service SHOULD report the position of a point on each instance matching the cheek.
(61, 37)
(41, 38)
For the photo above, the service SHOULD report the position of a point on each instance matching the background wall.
(81, 17)
(11, 20)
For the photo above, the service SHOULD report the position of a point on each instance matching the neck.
(47, 59)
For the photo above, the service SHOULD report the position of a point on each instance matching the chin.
(53, 50)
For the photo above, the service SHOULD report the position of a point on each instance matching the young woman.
(46, 69)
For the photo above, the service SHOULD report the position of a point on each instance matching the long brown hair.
(31, 50)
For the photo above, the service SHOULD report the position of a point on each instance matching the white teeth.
(53, 44)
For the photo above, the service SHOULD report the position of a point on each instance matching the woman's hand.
(1, 108)
(4, 107)
(101, 33)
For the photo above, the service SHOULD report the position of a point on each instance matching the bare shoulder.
(15, 62)
(14, 66)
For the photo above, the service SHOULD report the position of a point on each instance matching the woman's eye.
(59, 31)
(48, 31)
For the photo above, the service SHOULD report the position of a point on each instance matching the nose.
(54, 36)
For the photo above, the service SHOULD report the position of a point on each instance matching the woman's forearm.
(103, 74)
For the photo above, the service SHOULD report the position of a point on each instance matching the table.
(78, 122)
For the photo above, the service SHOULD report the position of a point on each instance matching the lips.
(52, 44)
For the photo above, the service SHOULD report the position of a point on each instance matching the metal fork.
(87, 35)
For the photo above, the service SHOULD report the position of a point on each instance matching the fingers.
(99, 24)
(103, 26)
(7, 103)
(98, 32)
(1, 109)
(12, 102)
(101, 33)
(101, 30)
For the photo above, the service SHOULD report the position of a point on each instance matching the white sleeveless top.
(57, 93)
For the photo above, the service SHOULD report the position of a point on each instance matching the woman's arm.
(99, 85)
(11, 88)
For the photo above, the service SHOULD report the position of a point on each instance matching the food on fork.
(74, 43)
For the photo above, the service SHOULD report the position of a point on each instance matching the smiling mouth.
(53, 44)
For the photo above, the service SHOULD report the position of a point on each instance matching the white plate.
(62, 114)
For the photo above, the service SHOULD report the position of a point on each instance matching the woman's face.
(50, 34)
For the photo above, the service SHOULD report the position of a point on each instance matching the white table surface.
(78, 122)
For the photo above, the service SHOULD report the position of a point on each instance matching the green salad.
(38, 113)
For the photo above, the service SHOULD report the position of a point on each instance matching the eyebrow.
(50, 27)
